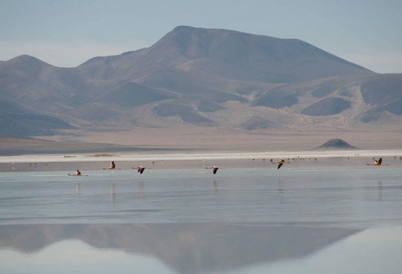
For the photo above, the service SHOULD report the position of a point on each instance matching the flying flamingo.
(280, 163)
(140, 169)
(214, 169)
(377, 163)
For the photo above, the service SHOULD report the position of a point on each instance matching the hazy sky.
(67, 33)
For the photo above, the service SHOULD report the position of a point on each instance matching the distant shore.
(80, 157)
(196, 159)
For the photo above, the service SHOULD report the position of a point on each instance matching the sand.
(221, 139)
(149, 157)
(182, 147)
(86, 162)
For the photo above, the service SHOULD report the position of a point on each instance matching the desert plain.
(184, 148)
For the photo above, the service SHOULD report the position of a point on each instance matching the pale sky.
(66, 33)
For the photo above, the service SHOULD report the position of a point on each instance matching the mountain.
(181, 247)
(17, 121)
(202, 78)
(335, 144)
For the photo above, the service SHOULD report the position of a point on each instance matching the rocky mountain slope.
(200, 77)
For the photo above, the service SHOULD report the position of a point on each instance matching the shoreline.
(195, 155)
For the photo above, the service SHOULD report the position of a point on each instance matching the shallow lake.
(319, 218)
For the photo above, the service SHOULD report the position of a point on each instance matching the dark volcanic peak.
(268, 59)
(335, 144)
(189, 42)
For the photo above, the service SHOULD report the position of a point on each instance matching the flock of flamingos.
(141, 169)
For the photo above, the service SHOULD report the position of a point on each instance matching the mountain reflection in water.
(184, 248)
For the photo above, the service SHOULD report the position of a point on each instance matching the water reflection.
(77, 188)
(379, 190)
(215, 187)
(184, 248)
(77, 257)
(280, 186)
(141, 192)
(112, 193)
(371, 251)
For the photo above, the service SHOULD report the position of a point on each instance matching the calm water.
(299, 219)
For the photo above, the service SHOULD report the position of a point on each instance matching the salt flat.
(38, 158)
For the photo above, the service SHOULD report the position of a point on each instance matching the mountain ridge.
(251, 82)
